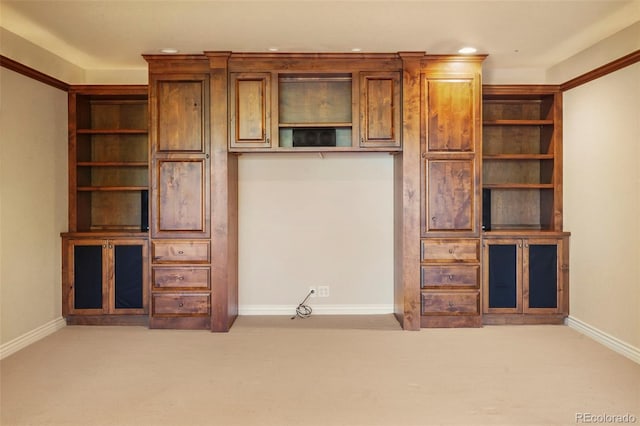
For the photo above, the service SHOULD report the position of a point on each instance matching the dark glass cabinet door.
(128, 277)
(541, 286)
(88, 273)
(504, 276)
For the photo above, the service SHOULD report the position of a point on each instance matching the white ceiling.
(112, 34)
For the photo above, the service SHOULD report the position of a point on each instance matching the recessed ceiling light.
(356, 49)
(169, 50)
(273, 49)
(467, 50)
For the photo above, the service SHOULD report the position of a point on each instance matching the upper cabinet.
(250, 110)
(298, 102)
(180, 150)
(380, 109)
(450, 140)
(449, 121)
(180, 121)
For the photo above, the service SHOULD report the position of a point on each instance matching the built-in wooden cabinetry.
(105, 251)
(525, 251)
(105, 277)
(450, 140)
(179, 105)
(307, 102)
(477, 183)
(525, 279)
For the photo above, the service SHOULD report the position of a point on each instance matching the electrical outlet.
(313, 290)
(323, 291)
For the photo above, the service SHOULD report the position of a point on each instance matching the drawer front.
(450, 251)
(454, 276)
(451, 303)
(180, 251)
(180, 278)
(180, 304)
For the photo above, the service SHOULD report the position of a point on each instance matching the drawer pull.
(450, 277)
(450, 251)
(178, 277)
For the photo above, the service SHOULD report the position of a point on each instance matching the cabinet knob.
(450, 251)
(268, 140)
(180, 252)
(450, 277)
(181, 305)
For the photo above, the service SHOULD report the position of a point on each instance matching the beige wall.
(616, 46)
(307, 220)
(602, 202)
(33, 202)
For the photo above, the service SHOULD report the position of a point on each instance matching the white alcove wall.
(308, 220)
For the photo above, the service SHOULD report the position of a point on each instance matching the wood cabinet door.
(380, 109)
(448, 196)
(250, 110)
(181, 114)
(448, 123)
(181, 199)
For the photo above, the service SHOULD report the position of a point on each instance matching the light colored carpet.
(358, 370)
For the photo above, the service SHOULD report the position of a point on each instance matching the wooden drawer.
(164, 304)
(454, 276)
(451, 303)
(180, 278)
(180, 251)
(450, 251)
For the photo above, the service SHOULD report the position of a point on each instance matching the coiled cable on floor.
(304, 311)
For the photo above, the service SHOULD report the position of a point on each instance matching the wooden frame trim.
(12, 65)
(613, 66)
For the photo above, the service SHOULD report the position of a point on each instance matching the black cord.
(304, 311)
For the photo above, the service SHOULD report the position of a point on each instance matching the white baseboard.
(30, 337)
(317, 310)
(607, 340)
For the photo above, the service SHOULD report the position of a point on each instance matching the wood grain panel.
(380, 109)
(180, 116)
(435, 250)
(167, 304)
(450, 118)
(181, 195)
(180, 251)
(180, 278)
(453, 276)
(449, 195)
(250, 109)
(436, 303)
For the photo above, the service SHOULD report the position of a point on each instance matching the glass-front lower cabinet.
(525, 280)
(104, 278)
